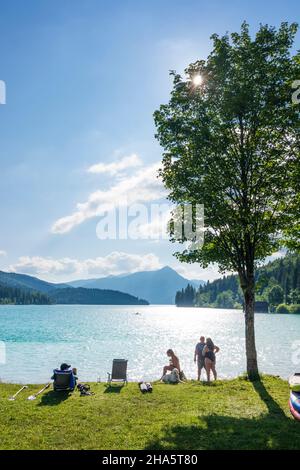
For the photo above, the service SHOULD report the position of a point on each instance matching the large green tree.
(232, 143)
(276, 295)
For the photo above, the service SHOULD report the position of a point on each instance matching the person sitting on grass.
(174, 363)
(209, 354)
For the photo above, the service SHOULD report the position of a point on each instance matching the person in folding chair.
(65, 378)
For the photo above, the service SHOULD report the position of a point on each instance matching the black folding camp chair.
(63, 380)
(119, 372)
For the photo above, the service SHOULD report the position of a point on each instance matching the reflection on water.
(39, 338)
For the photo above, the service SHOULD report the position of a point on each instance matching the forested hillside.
(17, 296)
(24, 281)
(14, 295)
(80, 295)
(278, 283)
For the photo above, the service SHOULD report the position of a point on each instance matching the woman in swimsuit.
(209, 353)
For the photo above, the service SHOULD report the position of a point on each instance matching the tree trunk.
(248, 287)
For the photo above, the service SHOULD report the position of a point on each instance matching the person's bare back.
(175, 362)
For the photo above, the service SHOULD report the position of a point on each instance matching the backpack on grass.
(84, 390)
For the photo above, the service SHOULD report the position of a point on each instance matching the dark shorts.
(201, 363)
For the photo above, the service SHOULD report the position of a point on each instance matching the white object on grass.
(13, 397)
(33, 397)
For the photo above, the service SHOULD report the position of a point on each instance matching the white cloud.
(118, 263)
(2, 253)
(40, 265)
(114, 168)
(143, 186)
(113, 264)
(194, 271)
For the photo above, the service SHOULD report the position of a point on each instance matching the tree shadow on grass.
(113, 388)
(53, 398)
(271, 430)
(273, 408)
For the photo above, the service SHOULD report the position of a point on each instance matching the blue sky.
(83, 80)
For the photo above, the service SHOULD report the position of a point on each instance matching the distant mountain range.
(22, 289)
(158, 287)
(140, 288)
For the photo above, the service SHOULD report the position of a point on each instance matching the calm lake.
(39, 338)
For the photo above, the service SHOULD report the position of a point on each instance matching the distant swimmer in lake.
(209, 353)
(174, 362)
(198, 356)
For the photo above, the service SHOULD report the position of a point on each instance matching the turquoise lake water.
(36, 339)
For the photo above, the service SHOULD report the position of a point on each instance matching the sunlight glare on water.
(40, 338)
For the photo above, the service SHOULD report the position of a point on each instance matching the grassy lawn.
(226, 415)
